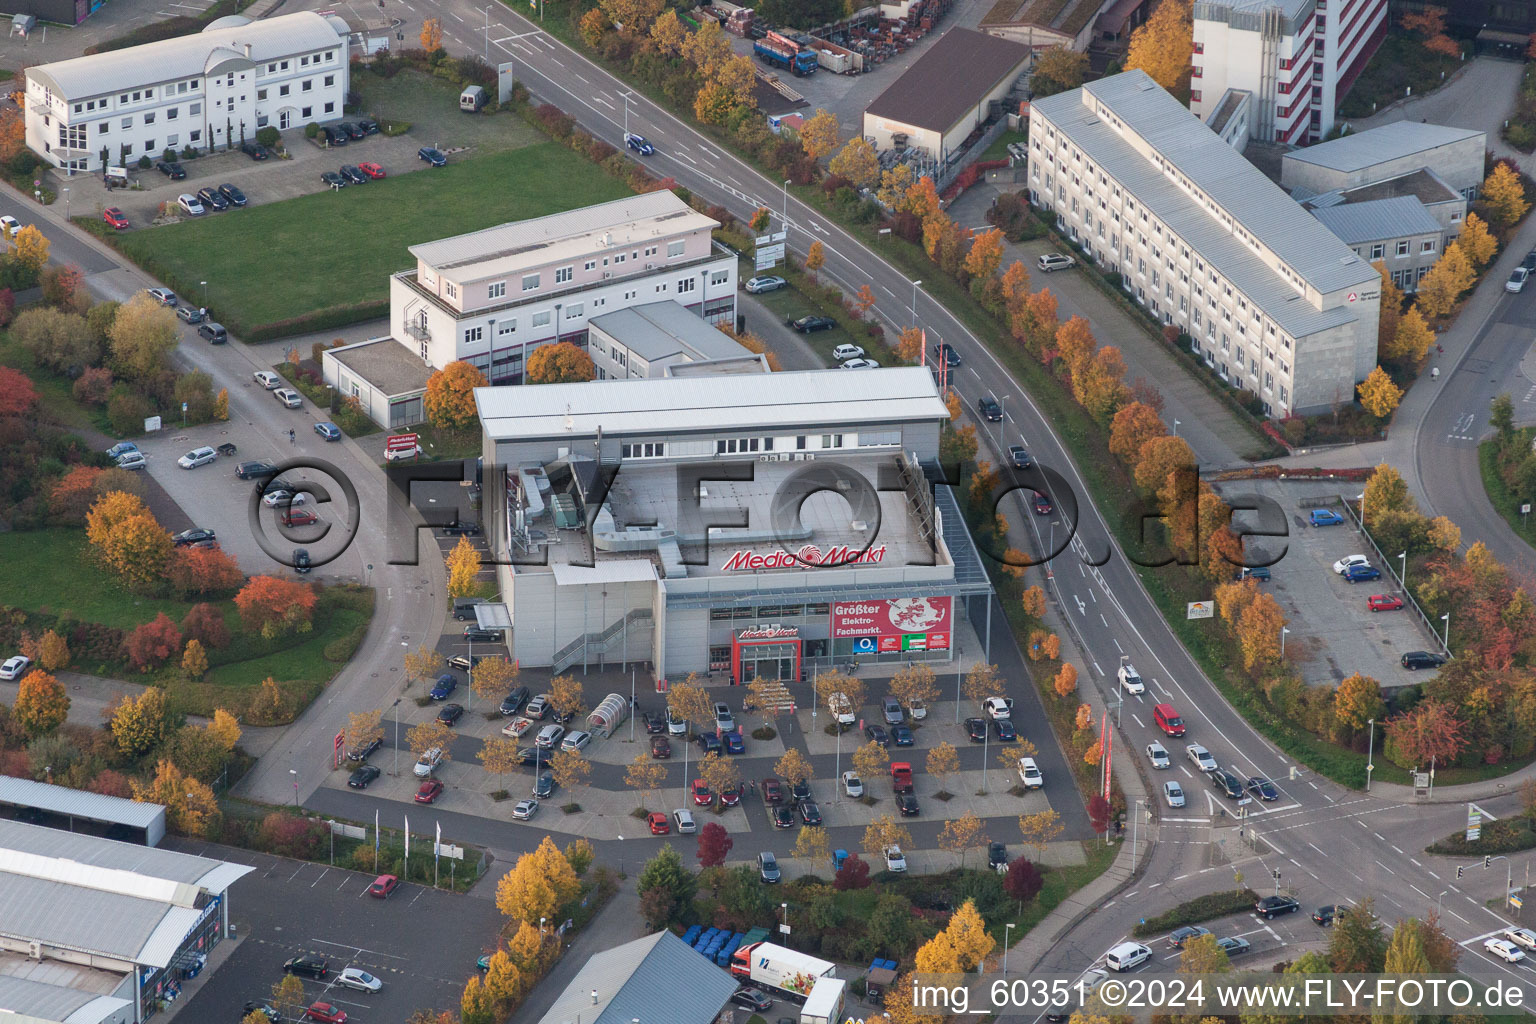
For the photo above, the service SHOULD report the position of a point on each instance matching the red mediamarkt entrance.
(772, 652)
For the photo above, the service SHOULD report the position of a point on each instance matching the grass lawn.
(1402, 61)
(371, 228)
(431, 105)
(1504, 501)
(999, 148)
(51, 570)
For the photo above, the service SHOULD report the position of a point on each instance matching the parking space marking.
(1317, 848)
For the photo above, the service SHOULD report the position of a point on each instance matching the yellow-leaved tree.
(1412, 340)
(1476, 241)
(1378, 394)
(818, 136)
(1502, 193)
(1162, 46)
(857, 162)
(463, 566)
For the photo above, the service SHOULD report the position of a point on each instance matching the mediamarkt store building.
(756, 525)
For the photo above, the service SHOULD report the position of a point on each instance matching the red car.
(371, 169)
(660, 826)
(297, 517)
(731, 797)
(429, 791)
(661, 747)
(326, 1013)
(383, 886)
(112, 215)
(1384, 603)
(1042, 504)
(701, 794)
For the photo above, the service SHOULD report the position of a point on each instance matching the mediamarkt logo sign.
(809, 556)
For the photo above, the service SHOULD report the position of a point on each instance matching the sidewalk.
(617, 923)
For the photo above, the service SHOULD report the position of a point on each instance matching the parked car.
(354, 175)
(289, 397)
(1179, 936)
(524, 810)
(1254, 572)
(427, 763)
(768, 867)
(771, 282)
(1052, 261)
(810, 814)
(215, 333)
(267, 379)
(1361, 573)
(333, 180)
(371, 169)
(702, 797)
(482, 636)
(328, 430)
(189, 314)
(773, 791)
(368, 125)
(683, 819)
(544, 788)
(807, 324)
(334, 136)
(131, 460)
(998, 707)
(1344, 564)
(659, 824)
(170, 169)
(432, 156)
(1517, 278)
(853, 785)
(661, 748)
(783, 816)
(194, 535)
(1234, 945)
(115, 217)
(360, 777)
(751, 999)
(120, 449)
(190, 205)
(860, 364)
(1006, 733)
(210, 197)
(877, 734)
(997, 856)
(901, 736)
(1422, 659)
(309, 966)
(537, 708)
(1326, 517)
(1029, 773)
(639, 144)
(448, 714)
(254, 150)
(1383, 602)
(356, 977)
(575, 740)
(428, 791)
(976, 729)
(164, 296)
(232, 195)
(352, 130)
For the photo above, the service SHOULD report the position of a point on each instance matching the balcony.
(416, 329)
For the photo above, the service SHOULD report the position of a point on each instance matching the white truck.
(783, 970)
(825, 1003)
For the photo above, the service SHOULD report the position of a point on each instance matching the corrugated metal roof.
(188, 56)
(1388, 142)
(949, 80)
(79, 803)
(656, 330)
(47, 1002)
(541, 232)
(682, 404)
(1251, 199)
(659, 973)
(117, 899)
(1378, 219)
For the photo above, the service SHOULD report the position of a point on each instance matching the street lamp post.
(621, 875)
(1370, 753)
(1283, 632)
(1006, 929)
(488, 32)
(1403, 576)
(396, 706)
(66, 203)
(915, 286)
(1002, 423)
(205, 294)
(785, 215)
(295, 773)
(1438, 899)
(1176, 427)
(1447, 618)
(626, 118)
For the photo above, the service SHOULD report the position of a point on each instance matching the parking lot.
(421, 943)
(1333, 634)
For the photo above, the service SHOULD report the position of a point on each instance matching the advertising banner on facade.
(905, 624)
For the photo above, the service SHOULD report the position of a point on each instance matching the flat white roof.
(189, 56)
(527, 243)
(787, 400)
(1360, 150)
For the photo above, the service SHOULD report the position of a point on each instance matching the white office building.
(1273, 301)
(210, 89)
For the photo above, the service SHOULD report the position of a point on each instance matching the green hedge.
(320, 320)
(343, 647)
(1202, 908)
(1508, 835)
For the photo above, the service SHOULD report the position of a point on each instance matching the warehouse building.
(662, 339)
(946, 96)
(760, 525)
(210, 89)
(79, 810)
(1042, 24)
(630, 982)
(1454, 155)
(109, 929)
(1273, 302)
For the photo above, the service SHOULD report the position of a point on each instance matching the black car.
(1529, 263)
(352, 130)
(251, 470)
(1324, 915)
(311, 966)
(544, 788)
(1263, 788)
(460, 528)
(212, 197)
(263, 1007)
(946, 354)
(171, 170)
(354, 175)
(709, 743)
(193, 536)
(810, 814)
(301, 560)
(976, 728)
(990, 410)
(450, 713)
(433, 156)
(233, 194)
(363, 752)
(513, 702)
(654, 724)
(254, 150)
(368, 127)
(751, 998)
(800, 791)
(334, 136)
(907, 802)
(362, 776)
(1005, 730)
(1226, 783)
(783, 816)
(878, 734)
(482, 636)
(462, 663)
(1018, 457)
(807, 324)
(333, 180)
(997, 855)
(189, 314)
(1273, 906)
(531, 755)
(1422, 659)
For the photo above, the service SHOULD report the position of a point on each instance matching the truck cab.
(901, 776)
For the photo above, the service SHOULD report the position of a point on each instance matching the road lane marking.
(1317, 848)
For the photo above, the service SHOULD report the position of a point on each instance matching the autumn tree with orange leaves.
(273, 606)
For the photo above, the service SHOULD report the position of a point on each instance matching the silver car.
(1174, 794)
(765, 283)
(890, 708)
(197, 457)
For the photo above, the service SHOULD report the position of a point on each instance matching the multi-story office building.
(210, 89)
(1274, 303)
(1295, 58)
(662, 339)
(491, 297)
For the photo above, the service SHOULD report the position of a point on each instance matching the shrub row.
(1202, 908)
(1507, 835)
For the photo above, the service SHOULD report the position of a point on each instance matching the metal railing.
(598, 643)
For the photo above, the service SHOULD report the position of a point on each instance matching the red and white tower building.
(1293, 59)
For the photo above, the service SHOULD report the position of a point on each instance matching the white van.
(471, 99)
(1127, 956)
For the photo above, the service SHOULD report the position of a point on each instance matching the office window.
(451, 289)
(1428, 245)
(496, 290)
(283, 89)
(330, 108)
(472, 334)
(589, 265)
(1378, 250)
(102, 128)
(720, 277)
(308, 85)
(197, 134)
(127, 122)
(675, 249)
(530, 282)
(564, 274)
(506, 327)
(173, 141)
(304, 62)
(1402, 247)
(575, 310)
(149, 146)
(542, 319)
(686, 284)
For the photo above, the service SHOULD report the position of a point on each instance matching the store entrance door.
(775, 657)
(756, 664)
